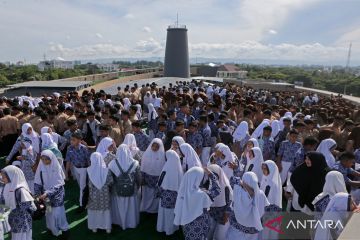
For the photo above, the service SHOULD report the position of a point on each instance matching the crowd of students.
(211, 160)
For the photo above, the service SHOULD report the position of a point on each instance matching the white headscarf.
(241, 131)
(337, 210)
(191, 200)
(17, 180)
(275, 126)
(52, 174)
(272, 180)
(191, 158)
(334, 183)
(220, 200)
(229, 158)
(257, 162)
(124, 158)
(127, 103)
(54, 136)
(324, 148)
(157, 102)
(249, 210)
(153, 162)
(286, 115)
(47, 141)
(97, 171)
(254, 141)
(130, 141)
(173, 172)
(138, 111)
(152, 112)
(103, 147)
(34, 137)
(179, 140)
(259, 130)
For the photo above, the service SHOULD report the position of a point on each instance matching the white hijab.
(152, 112)
(173, 172)
(157, 102)
(259, 130)
(34, 137)
(138, 111)
(229, 158)
(324, 148)
(241, 131)
(254, 141)
(127, 103)
(130, 141)
(54, 136)
(272, 180)
(191, 158)
(275, 125)
(257, 162)
(47, 141)
(337, 210)
(97, 171)
(334, 183)
(220, 200)
(153, 162)
(17, 180)
(103, 147)
(191, 200)
(124, 158)
(52, 174)
(249, 210)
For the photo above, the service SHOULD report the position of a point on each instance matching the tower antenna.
(177, 19)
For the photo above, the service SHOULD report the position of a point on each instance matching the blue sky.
(304, 31)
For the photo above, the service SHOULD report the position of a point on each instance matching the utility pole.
(347, 65)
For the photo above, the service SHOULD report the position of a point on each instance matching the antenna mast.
(348, 58)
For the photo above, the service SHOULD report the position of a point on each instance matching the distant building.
(55, 64)
(230, 71)
(108, 67)
(20, 63)
(207, 70)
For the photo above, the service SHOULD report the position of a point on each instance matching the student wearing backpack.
(16, 195)
(49, 184)
(100, 181)
(125, 210)
(169, 184)
(152, 163)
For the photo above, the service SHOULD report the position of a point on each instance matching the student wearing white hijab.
(254, 163)
(190, 157)
(49, 184)
(125, 210)
(16, 196)
(27, 134)
(176, 143)
(271, 185)
(26, 163)
(339, 209)
(259, 130)
(169, 184)
(152, 163)
(47, 143)
(100, 181)
(59, 140)
(138, 111)
(221, 205)
(193, 203)
(130, 141)
(107, 148)
(244, 158)
(226, 157)
(241, 136)
(152, 120)
(249, 206)
(275, 126)
(326, 147)
(127, 103)
(334, 183)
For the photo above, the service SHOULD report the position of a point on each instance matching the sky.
(300, 31)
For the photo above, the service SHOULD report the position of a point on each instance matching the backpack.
(124, 184)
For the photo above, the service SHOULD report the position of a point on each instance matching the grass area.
(78, 223)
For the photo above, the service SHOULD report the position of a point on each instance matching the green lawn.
(78, 224)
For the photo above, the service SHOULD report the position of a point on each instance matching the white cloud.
(129, 16)
(98, 35)
(147, 29)
(149, 46)
(272, 32)
(68, 37)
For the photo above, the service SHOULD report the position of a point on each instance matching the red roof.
(229, 68)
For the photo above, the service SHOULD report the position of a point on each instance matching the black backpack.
(124, 184)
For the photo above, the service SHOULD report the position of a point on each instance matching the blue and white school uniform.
(169, 184)
(49, 179)
(17, 197)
